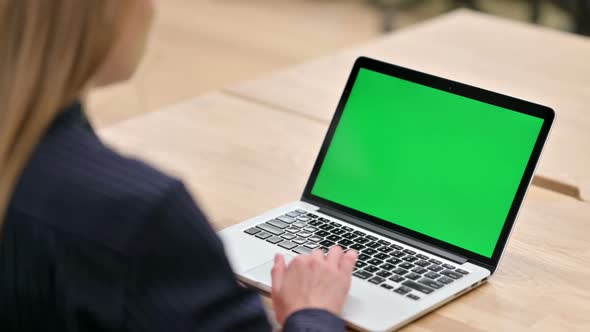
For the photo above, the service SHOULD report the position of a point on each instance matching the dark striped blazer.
(94, 241)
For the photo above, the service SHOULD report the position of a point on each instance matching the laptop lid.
(435, 160)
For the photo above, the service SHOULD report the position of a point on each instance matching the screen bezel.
(493, 98)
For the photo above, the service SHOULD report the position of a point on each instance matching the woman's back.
(88, 233)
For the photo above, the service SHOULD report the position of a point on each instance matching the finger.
(278, 273)
(348, 261)
(353, 250)
(334, 255)
(317, 254)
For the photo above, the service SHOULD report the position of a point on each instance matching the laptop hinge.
(393, 235)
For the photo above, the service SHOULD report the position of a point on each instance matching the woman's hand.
(312, 281)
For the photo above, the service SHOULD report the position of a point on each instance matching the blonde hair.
(49, 51)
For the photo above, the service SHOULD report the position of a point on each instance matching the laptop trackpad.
(262, 272)
(262, 275)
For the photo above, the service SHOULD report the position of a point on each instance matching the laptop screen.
(428, 160)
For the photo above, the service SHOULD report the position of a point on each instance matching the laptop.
(423, 176)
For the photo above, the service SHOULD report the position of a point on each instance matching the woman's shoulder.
(85, 188)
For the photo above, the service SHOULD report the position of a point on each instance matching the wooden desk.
(241, 158)
(541, 65)
(238, 158)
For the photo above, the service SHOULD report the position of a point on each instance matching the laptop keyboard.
(391, 266)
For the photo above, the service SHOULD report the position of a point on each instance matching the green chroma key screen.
(434, 162)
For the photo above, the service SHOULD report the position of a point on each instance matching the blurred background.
(203, 45)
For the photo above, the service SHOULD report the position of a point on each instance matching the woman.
(93, 241)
